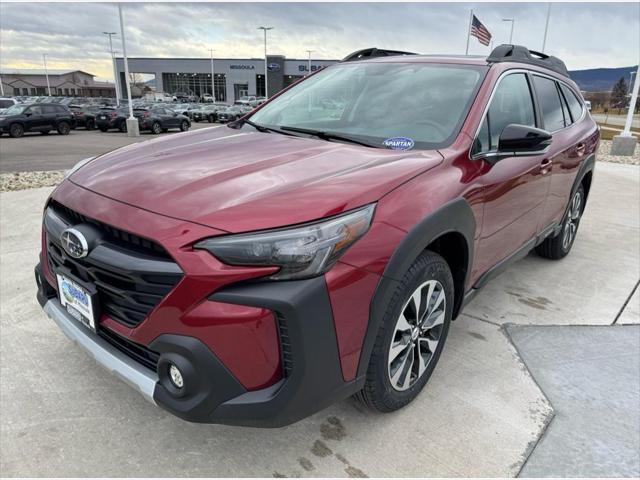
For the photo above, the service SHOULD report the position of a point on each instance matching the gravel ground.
(604, 155)
(24, 180)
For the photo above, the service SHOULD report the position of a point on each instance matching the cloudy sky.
(585, 35)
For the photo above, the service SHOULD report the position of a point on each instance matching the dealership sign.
(242, 67)
(304, 68)
(273, 67)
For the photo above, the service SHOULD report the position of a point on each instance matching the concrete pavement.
(481, 415)
(37, 152)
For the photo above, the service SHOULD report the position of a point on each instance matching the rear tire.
(156, 128)
(123, 127)
(16, 130)
(410, 340)
(184, 126)
(64, 128)
(559, 246)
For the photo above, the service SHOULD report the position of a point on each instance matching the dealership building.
(234, 77)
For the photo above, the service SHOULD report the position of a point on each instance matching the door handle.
(545, 166)
(580, 149)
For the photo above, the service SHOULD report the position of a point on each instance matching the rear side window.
(49, 109)
(6, 103)
(34, 110)
(575, 105)
(550, 103)
(511, 103)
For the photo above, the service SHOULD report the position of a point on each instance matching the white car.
(6, 103)
(207, 97)
(159, 97)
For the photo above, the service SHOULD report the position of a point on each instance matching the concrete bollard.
(133, 128)
(623, 145)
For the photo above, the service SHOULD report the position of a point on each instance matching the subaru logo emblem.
(74, 243)
(273, 67)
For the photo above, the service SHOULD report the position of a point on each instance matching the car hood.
(236, 180)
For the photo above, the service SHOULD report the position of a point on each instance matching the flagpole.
(466, 52)
(546, 28)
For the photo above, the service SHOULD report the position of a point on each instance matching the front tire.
(156, 128)
(559, 246)
(184, 126)
(413, 332)
(123, 127)
(16, 130)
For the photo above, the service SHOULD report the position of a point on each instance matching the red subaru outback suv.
(318, 248)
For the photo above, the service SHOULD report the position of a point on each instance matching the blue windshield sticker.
(399, 143)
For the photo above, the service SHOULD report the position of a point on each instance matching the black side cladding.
(453, 216)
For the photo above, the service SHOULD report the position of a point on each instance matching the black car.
(160, 119)
(37, 117)
(207, 112)
(232, 113)
(109, 118)
(85, 115)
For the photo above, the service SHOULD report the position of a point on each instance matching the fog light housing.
(175, 375)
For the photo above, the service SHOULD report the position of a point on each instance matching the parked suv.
(37, 117)
(321, 246)
(159, 119)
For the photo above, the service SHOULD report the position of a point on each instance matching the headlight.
(77, 167)
(300, 252)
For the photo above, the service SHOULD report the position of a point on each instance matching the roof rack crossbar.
(521, 54)
(372, 53)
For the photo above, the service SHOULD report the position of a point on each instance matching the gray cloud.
(585, 35)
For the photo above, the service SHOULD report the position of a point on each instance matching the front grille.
(285, 345)
(140, 353)
(131, 274)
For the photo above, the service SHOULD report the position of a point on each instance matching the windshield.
(421, 104)
(15, 110)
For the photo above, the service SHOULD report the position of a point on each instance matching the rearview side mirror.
(519, 141)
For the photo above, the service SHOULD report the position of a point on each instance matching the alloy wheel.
(417, 334)
(572, 221)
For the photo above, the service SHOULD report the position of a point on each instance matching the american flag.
(479, 31)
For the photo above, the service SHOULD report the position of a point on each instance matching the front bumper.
(313, 378)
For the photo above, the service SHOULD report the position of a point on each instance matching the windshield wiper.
(328, 136)
(260, 128)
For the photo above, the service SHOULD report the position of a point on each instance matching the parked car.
(85, 115)
(248, 100)
(158, 97)
(36, 117)
(159, 119)
(206, 98)
(6, 103)
(208, 112)
(256, 274)
(185, 109)
(112, 118)
(232, 113)
(185, 97)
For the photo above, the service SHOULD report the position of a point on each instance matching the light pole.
(309, 52)
(46, 72)
(133, 129)
(266, 90)
(213, 79)
(631, 74)
(513, 21)
(113, 64)
(546, 27)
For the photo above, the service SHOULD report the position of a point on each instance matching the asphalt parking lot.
(492, 408)
(37, 152)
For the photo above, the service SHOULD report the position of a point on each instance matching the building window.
(16, 91)
(195, 84)
(289, 79)
(25, 91)
(260, 86)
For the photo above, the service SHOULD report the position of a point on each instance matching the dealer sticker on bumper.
(77, 301)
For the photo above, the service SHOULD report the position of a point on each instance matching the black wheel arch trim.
(455, 216)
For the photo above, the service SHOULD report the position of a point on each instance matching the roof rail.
(518, 53)
(372, 53)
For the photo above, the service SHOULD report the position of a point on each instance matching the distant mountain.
(600, 79)
(151, 82)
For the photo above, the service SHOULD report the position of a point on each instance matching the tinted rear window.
(575, 106)
(550, 104)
